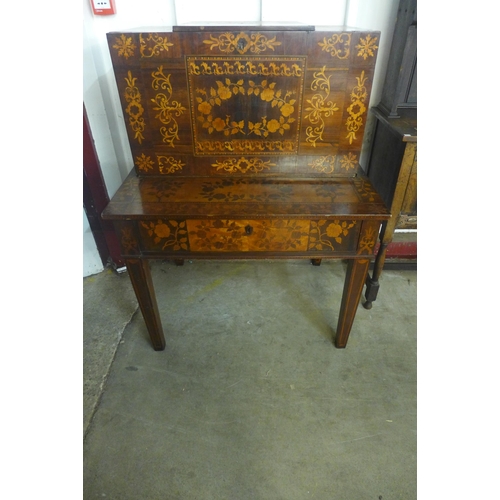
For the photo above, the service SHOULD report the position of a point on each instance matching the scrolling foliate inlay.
(169, 165)
(242, 43)
(153, 45)
(134, 109)
(367, 241)
(337, 45)
(166, 164)
(124, 46)
(245, 146)
(323, 164)
(357, 108)
(244, 68)
(367, 47)
(320, 107)
(167, 109)
(243, 165)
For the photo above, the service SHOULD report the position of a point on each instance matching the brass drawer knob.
(248, 229)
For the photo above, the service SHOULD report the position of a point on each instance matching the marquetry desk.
(246, 143)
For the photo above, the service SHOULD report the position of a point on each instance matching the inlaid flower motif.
(334, 230)
(367, 46)
(267, 94)
(348, 161)
(324, 235)
(144, 162)
(213, 97)
(169, 234)
(162, 230)
(135, 109)
(205, 108)
(125, 46)
(287, 109)
(273, 125)
(356, 109)
(219, 124)
(224, 92)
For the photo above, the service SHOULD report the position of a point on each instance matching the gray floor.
(250, 400)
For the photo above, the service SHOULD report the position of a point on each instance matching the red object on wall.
(103, 7)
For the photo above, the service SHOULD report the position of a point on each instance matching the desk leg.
(353, 286)
(372, 284)
(140, 276)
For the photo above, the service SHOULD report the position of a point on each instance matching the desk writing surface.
(244, 197)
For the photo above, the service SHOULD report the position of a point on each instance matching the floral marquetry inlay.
(357, 107)
(144, 163)
(367, 47)
(124, 46)
(320, 107)
(153, 45)
(324, 164)
(232, 114)
(245, 146)
(326, 234)
(349, 161)
(243, 165)
(365, 190)
(166, 107)
(242, 43)
(224, 67)
(245, 235)
(367, 241)
(214, 97)
(134, 108)
(170, 234)
(128, 240)
(337, 45)
(169, 164)
(166, 164)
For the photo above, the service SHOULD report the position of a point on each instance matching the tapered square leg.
(140, 276)
(357, 271)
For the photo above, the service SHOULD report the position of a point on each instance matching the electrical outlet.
(103, 7)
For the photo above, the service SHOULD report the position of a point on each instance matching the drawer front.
(227, 235)
(248, 235)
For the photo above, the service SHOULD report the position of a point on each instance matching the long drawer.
(240, 235)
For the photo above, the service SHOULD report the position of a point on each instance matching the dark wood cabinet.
(392, 169)
(400, 85)
(392, 166)
(246, 143)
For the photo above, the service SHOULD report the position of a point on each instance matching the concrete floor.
(250, 399)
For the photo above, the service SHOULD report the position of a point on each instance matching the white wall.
(99, 89)
(92, 263)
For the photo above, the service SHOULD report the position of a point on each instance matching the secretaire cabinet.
(245, 144)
